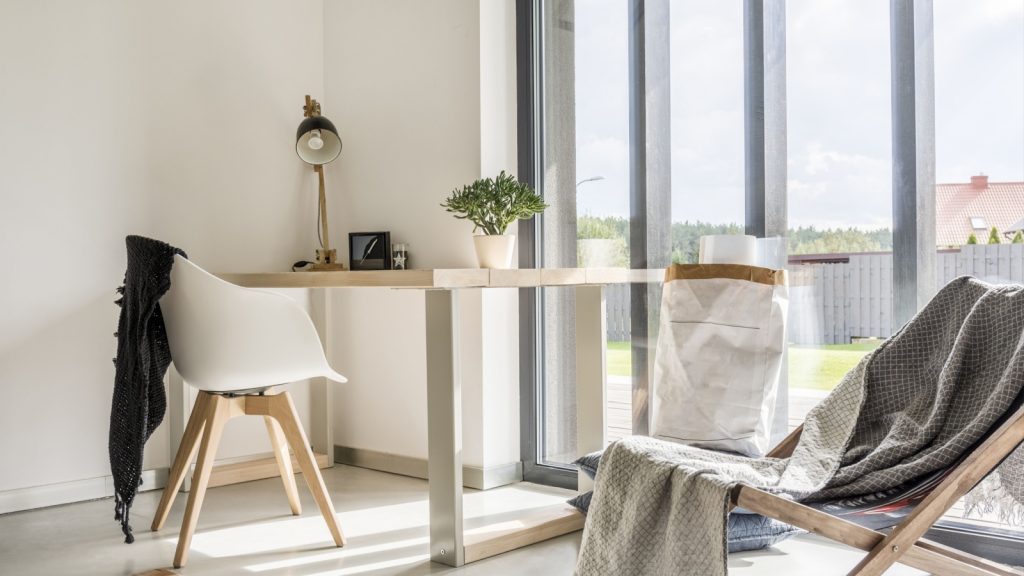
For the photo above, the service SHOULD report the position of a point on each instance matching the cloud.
(836, 189)
(979, 90)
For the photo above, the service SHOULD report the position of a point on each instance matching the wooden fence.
(616, 298)
(836, 302)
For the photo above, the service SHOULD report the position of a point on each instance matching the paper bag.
(719, 356)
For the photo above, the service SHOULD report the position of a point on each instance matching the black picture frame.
(369, 250)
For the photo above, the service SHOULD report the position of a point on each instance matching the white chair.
(234, 344)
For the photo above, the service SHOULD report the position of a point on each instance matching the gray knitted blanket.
(911, 407)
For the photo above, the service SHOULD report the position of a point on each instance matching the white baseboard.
(103, 487)
(472, 476)
(73, 491)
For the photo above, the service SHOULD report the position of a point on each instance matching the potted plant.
(492, 204)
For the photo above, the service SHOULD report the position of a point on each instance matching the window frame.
(530, 145)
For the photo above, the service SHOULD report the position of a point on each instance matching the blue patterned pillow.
(754, 532)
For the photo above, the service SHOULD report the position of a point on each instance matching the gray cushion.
(589, 464)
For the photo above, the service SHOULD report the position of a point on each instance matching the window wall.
(603, 174)
(840, 191)
(706, 64)
(979, 132)
(602, 160)
(705, 172)
(979, 92)
(586, 179)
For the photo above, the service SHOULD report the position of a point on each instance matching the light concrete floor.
(247, 529)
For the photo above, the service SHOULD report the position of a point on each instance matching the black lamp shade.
(328, 134)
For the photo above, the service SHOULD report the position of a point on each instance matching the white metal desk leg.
(591, 336)
(444, 428)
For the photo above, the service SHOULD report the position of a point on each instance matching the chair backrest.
(227, 338)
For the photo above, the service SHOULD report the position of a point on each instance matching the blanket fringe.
(121, 515)
(991, 497)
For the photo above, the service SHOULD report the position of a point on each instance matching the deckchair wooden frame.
(905, 543)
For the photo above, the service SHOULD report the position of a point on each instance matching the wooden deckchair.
(905, 543)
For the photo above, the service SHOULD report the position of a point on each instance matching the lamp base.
(327, 267)
(327, 260)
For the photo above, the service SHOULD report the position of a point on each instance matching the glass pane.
(840, 191)
(979, 122)
(586, 182)
(979, 144)
(602, 173)
(706, 62)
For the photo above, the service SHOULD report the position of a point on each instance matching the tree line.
(686, 238)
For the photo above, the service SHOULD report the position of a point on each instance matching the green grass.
(813, 367)
(822, 367)
(619, 359)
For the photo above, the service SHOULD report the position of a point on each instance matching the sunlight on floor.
(308, 530)
(340, 554)
(373, 534)
(376, 566)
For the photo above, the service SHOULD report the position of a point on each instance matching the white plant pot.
(495, 251)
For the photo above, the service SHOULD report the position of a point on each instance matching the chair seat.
(247, 381)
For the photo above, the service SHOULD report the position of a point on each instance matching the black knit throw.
(143, 355)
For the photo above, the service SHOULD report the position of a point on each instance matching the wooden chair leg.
(282, 410)
(186, 451)
(217, 415)
(284, 463)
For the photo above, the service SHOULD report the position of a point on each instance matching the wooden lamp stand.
(326, 257)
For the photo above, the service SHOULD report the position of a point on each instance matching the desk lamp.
(317, 143)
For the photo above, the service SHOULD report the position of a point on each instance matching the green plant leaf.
(493, 204)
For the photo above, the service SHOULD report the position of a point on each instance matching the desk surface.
(445, 278)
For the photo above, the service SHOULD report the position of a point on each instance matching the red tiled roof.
(1000, 204)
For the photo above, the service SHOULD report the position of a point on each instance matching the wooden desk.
(449, 543)
(446, 279)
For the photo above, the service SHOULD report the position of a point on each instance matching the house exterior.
(975, 207)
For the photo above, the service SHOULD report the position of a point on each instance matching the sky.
(838, 80)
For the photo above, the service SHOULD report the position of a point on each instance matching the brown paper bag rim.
(756, 274)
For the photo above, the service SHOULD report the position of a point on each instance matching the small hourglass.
(399, 256)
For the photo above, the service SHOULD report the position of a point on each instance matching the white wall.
(499, 328)
(423, 94)
(176, 120)
(62, 223)
(226, 84)
(170, 119)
